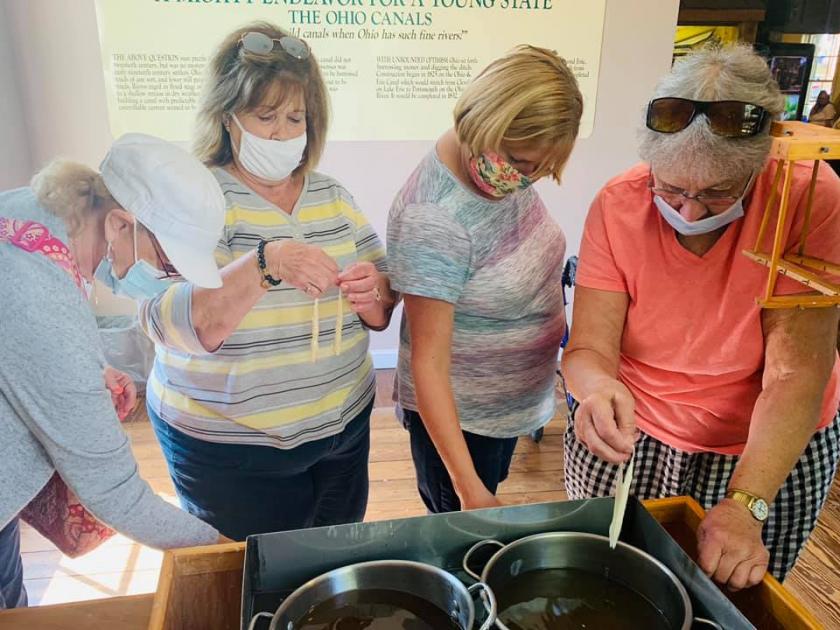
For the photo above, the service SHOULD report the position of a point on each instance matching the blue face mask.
(702, 226)
(141, 282)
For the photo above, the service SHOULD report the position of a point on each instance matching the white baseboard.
(384, 359)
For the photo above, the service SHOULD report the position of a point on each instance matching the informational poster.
(394, 67)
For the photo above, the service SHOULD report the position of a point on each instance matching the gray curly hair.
(73, 192)
(735, 73)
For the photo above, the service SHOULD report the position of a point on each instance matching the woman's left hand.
(360, 283)
(123, 391)
(730, 547)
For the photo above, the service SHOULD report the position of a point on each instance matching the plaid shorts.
(663, 471)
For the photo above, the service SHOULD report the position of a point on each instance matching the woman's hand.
(123, 391)
(730, 548)
(360, 283)
(305, 267)
(605, 421)
(477, 498)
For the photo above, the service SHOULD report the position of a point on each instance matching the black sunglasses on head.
(731, 119)
(262, 45)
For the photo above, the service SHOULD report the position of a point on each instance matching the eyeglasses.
(167, 269)
(257, 43)
(731, 119)
(710, 198)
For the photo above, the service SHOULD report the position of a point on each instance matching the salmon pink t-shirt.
(692, 353)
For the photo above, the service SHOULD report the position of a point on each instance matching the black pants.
(243, 490)
(490, 456)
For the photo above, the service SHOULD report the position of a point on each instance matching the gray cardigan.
(55, 412)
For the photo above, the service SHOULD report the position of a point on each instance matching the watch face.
(760, 510)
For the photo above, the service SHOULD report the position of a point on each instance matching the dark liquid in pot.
(565, 599)
(376, 609)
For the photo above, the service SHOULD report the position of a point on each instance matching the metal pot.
(428, 582)
(588, 552)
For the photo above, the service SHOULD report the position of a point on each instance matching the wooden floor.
(121, 567)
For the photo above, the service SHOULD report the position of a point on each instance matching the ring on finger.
(312, 289)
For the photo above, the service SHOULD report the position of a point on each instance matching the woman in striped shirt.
(262, 390)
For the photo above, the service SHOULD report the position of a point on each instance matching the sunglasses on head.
(731, 119)
(257, 43)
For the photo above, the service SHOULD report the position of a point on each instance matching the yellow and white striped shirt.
(269, 383)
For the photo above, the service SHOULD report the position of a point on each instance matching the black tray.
(277, 564)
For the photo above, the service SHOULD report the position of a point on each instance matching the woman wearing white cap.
(153, 211)
(262, 391)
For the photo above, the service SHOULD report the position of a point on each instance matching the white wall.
(15, 162)
(63, 94)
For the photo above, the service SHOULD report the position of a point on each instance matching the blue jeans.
(12, 591)
(490, 456)
(242, 490)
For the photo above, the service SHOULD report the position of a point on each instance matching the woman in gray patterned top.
(128, 226)
(479, 261)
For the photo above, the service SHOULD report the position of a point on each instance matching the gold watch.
(756, 505)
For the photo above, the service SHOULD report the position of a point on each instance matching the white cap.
(174, 196)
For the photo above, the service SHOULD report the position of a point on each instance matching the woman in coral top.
(670, 356)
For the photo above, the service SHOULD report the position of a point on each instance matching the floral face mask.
(495, 176)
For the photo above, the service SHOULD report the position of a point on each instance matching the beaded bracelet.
(268, 279)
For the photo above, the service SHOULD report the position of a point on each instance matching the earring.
(109, 252)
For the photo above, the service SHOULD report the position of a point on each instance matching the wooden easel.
(793, 142)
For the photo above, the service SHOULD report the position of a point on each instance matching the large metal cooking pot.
(625, 564)
(428, 582)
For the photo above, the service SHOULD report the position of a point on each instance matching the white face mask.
(271, 160)
(702, 226)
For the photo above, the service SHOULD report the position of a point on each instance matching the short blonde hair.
(528, 97)
(72, 192)
(240, 81)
